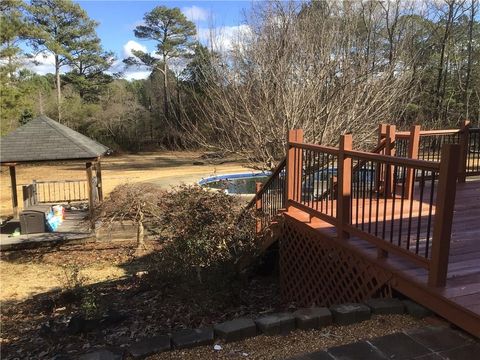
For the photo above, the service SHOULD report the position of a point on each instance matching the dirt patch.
(163, 168)
(46, 269)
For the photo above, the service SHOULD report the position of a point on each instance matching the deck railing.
(396, 215)
(399, 203)
(473, 152)
(427, 145)
(312, 175)
(269, 200)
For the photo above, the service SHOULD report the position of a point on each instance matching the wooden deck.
(361, 223)
(72, 230)
(459, 300)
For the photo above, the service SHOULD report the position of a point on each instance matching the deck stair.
(356, 224)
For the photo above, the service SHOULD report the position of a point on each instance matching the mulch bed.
(122, 311)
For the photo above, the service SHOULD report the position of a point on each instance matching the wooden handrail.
(420, 164)
(58, 181)
(326, 149)
(276, 172)
(406, 134)
(391, 160)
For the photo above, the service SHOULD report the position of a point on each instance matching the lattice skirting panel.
(314, 270)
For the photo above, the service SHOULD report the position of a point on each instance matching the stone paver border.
(274, 324)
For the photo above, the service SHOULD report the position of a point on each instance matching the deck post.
(445, 203)
(464, 137)
(344, 186)
(382, 132)
(98, 171)
(390, 151)
(88, 167)
(258, 206)
(294, 164)
(13, 182)
(413, 148)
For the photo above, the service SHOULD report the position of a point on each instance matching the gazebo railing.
(54, 192)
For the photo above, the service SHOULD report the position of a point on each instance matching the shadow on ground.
(145, 302)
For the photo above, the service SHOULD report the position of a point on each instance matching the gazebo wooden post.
(13, 181)
(98, 170)
(88, 167)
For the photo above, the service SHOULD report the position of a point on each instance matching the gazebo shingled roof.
(43, 139)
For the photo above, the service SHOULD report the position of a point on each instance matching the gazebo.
(45, 140)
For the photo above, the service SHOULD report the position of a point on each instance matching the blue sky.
(118, 19)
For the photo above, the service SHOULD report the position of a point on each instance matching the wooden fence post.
(445, 203)
(464, 138)
(344, 174)
(258, 206)
(413, 148)
(294, 165)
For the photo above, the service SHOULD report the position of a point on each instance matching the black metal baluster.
(419, 225)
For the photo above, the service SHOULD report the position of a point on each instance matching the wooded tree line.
(325, 66)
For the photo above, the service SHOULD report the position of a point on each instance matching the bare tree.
(299, 65)
(469, 55)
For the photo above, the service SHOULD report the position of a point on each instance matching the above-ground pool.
(235, 183)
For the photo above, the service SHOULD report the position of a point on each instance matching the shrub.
(201, 228)
(134, 202)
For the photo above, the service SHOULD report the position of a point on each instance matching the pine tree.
(173, 35)
(13, 30)
(89, 64)
(63, 27)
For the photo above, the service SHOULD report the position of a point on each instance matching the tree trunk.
(40, 102)
(438, 95)
(179, 105)
(140, 234)
(58, 86)
(165, 87)
(469, 60)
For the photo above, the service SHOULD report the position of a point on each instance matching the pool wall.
(233, 176)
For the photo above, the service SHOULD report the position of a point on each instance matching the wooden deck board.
(462, 290)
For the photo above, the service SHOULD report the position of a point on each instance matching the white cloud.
(131, 72)
(223, 38)
(136, 75)
(195, 13)
(132, 45)
(42, 64)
